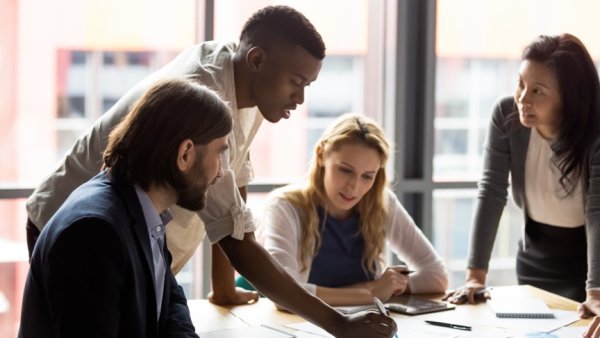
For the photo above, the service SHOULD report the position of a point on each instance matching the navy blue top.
(338, 261)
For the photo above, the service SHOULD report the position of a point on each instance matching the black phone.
(414, 305)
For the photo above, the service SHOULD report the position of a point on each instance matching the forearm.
(222, 275)
(593, 249)
(351, 295)
(483, 232)
(255, 263)
(476, 275)
(493, 186)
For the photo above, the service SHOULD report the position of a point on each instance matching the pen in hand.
(382, 310)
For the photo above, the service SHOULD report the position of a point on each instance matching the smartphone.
(414, 305)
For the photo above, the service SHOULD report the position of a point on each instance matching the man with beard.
(101, 265)
(262, 77)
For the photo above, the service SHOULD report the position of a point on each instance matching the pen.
(382, 309)
(407, 272)
(448, 325)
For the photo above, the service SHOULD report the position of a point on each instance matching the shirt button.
(158, 228)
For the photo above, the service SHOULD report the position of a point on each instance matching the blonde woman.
(331, 233)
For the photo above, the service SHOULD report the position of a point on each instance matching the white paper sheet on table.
(484, 324)
(246, 332)
(410, 328)
(570, 332)
(483, 316)
(309, 327)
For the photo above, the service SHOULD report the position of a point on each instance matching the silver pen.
(382, 309)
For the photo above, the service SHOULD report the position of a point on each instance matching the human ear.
(185, 155)
(255, 58)
(319, 154)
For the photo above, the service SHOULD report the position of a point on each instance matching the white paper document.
(570, 332)
(308, 327)
(409, 328)
(247, 332)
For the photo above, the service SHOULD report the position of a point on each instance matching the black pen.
(407, 272)
(448, 325)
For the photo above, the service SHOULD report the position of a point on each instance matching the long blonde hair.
(372, 208)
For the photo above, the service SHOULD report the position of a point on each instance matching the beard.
(193, 196)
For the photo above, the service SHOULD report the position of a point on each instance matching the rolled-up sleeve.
(225, 212)
(246, 173)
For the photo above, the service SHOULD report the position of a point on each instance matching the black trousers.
(554, 259)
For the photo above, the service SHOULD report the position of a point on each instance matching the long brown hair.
(372, 208)
(143, 147)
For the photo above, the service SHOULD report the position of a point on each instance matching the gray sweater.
(505, 152)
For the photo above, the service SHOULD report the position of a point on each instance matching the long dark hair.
(143, 147)
(579, 89)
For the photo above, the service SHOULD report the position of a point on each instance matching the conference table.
(209, 317)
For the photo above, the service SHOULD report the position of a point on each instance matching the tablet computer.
(414, 305)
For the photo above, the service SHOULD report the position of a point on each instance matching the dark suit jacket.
(91, 272)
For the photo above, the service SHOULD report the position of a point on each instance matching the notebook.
(523, 308)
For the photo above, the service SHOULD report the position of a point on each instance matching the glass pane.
(452, 213)
(339, 88)
(13, 264)
(63, 63)
(478, 55)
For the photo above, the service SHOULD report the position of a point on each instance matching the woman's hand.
(591, 306)
(473, 290)
(392, 282)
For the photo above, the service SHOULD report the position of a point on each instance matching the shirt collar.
(151, 215)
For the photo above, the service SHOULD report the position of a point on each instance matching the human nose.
(522, 96)
(220, 171)
(352, 183)
(299, 99)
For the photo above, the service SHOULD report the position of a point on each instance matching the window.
(63, 63)
(339, 88)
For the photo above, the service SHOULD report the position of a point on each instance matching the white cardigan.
(281, 234)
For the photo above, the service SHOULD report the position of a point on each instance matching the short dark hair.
(579, 89)
(143, 147)
(282, 24)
